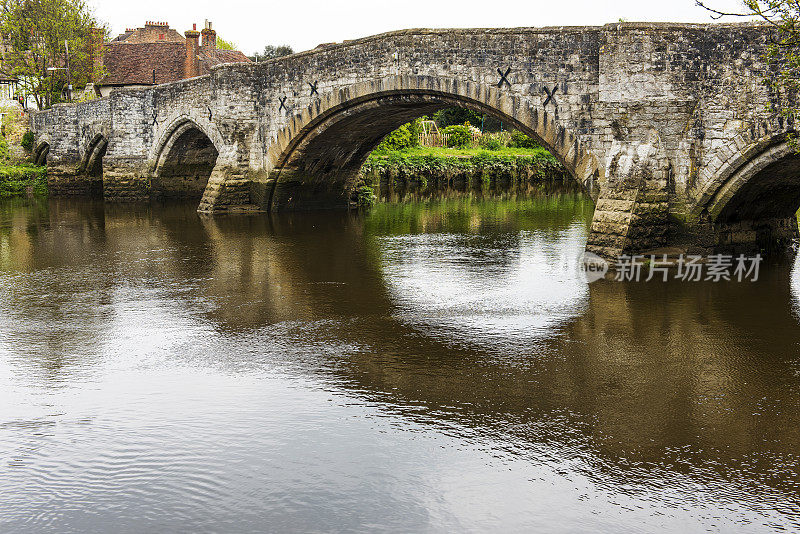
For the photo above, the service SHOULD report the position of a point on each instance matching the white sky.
(303, 24)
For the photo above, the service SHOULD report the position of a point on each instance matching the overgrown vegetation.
(520, 140)
(491, 142)
(365, 196)
(27, 141)
(403, 138)
(425, 161)
(16, 176)
(459, 136)
(22, 179)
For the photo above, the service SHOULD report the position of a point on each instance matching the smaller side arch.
(41, 152)
(184, 160)
(173, 129)
(92, 164)
(93, 156)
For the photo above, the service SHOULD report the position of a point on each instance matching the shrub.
(27, 141)
(490, 142)
(365, 196)
(407, 136)
(520, 140)
(460, 136)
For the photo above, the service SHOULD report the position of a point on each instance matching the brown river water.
(429, 366)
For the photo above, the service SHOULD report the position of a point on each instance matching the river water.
(432, 366)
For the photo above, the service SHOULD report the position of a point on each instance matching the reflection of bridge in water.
(650, 380)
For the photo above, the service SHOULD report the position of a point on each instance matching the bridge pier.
(229, 189)
(124, 182)
(70, 183)
(632, 211)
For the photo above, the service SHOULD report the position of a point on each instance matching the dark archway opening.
(322, 169)
(761, 216)
(186, 167)
(93, 166)
(40, 155)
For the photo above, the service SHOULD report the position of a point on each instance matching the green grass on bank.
(432, 160)
(461, 152)
(22, 179)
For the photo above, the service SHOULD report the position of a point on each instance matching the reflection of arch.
(184, 161)
(332, 137)
(92, 163)
(40, 153)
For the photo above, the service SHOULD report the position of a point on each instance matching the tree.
(452, 116)
(222, 44)
(50, 46)
(271, 52)
(783, 50)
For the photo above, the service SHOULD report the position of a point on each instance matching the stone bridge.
(669, 127)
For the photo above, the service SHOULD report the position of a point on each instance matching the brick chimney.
(209, 37)
(192, 65)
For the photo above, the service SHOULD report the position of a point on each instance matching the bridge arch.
(92, 163)
(753, 197)
(40, 152)
(183, 160)
(327, 142)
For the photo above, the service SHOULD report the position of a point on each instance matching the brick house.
(159, 54)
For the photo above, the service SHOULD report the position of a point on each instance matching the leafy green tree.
(50, 44)
(520, 140)
(457, 116)
(272, 52)
(222, 44)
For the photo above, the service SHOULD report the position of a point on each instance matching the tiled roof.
(210, 58)
(121, 37)
(133, 64)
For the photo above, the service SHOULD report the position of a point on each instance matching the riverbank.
(22, 179)
(431, 169)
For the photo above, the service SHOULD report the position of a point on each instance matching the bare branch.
(719, 14)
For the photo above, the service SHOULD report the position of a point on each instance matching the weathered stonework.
(668, 126)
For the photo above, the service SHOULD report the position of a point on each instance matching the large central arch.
(316, 156)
